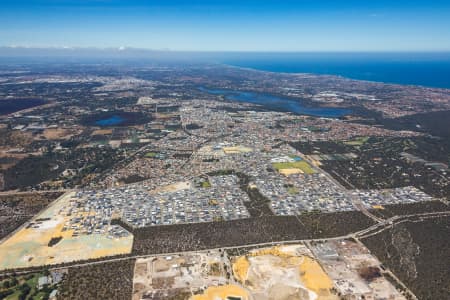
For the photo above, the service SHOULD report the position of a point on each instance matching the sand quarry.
(29, 245)
(285, 272)
(222, 292)
(275, 273)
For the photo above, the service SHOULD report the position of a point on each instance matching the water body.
(279, 103)
(115, 118)
(426, 69)
(111, 121)
(12, 105)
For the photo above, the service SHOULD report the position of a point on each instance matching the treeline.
(51, 164)
(200, 236)
(418, 254)
(109, 280)
(390, 211)
(258, 206)
(17, 209)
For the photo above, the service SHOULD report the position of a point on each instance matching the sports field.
(302, 165)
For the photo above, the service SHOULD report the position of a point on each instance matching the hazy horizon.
(64, 50)
(238, 26)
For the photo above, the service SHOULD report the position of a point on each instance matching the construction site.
(340, 269)
(46, 240)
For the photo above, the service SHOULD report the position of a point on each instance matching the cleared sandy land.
(236, 150)
(316, 271)
(102, 132)
(184, 276)
(29, 246)
(283, 273)
(183, 185)
(59, 133)
(221, 151)
(290, 171)
(222, 292)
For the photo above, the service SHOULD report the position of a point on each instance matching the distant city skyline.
(228, 25)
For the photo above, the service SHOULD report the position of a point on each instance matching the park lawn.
(40, 296)
(150, 154)
(206, 184)
(13, 296)
(302, 165)
(293, 190)
(32, 283)
(358, 141)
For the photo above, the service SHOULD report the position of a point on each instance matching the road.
(357, 203)
(378, 227)
(369, 231)
(15, 192)
(372, 230)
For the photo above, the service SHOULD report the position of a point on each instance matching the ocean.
(424, 69)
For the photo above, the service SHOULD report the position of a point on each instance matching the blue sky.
(265, 25)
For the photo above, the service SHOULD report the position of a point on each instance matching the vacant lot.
(29, 246)
(15, 210)
(59, 133)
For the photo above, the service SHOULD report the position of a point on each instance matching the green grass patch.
(206, 184)
(302, 165)
(41, 296)
(102, 142)
(358, 141)
(30, 280)
(292, 190)
(150, 154)
(13, 296)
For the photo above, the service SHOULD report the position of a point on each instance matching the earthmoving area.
(16, 209)
(46, 240)
(283, 272)
(319, 271)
